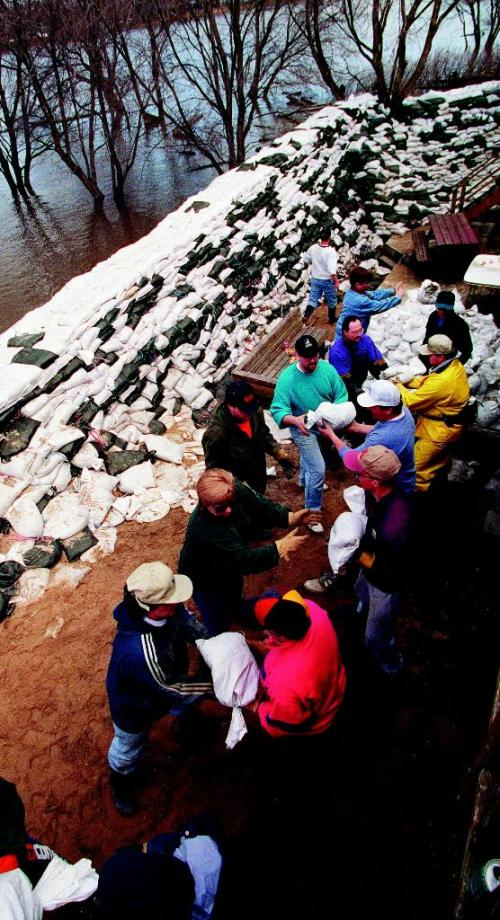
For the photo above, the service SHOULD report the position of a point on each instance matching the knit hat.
(215, 486)
(445, 300)
(12, 826)
(306, 346)
(437, 345)
(240, 394)
(287, 615)
(377, 461)
(380, 393)
(154, 583)
(134, 884)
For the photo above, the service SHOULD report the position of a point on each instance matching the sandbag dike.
(97, 387)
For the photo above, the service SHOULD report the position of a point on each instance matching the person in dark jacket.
(383, 552)
(148, 671)
(216, 554)
(444, 321)
(237, 438)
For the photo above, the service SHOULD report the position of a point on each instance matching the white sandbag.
(64, 516)
(25, 518)
(428, 292)
(98, 480)
(30, 409)
(63, 477)
(88, 458)
(137, 478)
(97, 502)
(9, 494)
(153, 507)
(63, 883)
(106, 537)
(337, 415)
(345, 537)
(164, 448)
(68, 576)
(235, 677)
(64, 435)
(15, 381)
(17, 898)
(31, 586)
(355, 499)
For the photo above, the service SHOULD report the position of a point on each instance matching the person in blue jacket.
(148, 671)
(361, 302)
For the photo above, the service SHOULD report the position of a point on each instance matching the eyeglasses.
(220, 507)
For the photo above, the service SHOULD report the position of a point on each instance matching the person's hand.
(324, 430)
(304, 516)
(300, 423)
(289, 544)
(400, 290)
(287, 463)
(253, 707)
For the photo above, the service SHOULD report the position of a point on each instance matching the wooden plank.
(419, 240)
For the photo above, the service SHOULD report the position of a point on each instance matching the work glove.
(304, 516)
(288, 465)
(289, 544)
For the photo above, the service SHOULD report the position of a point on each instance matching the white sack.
(164, 449)
(31, 585)
(348, 529)
(337, 415)
(235, 677)
(88, 458)
(137, 478)
(25, 518)
(8, 495)
(64, 516)
(62, 883)
(17, 898)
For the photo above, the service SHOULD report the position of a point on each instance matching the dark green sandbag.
(43, 555)
(78, 544)
(64, 374)
(25, 341)
(157, 427)
(16, 436)
(10, 572)
(84, 414)
(120, 460)
(71, 448)
(37, 356)
(6, 607)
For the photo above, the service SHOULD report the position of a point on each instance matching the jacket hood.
(129, 616)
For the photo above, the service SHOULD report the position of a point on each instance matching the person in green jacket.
(216, 554)
(301, 387)
(237, 438)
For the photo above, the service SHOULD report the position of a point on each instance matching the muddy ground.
(373, 825)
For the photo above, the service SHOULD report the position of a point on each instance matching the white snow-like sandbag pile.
(399, 333)
(125, 352)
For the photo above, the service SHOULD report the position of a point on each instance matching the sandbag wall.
(90, 383)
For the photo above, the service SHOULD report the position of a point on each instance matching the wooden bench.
(263, 365)
(452, 230)
(420, 248)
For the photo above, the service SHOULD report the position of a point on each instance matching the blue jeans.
(382, 610)
(312, 468)
(322, 287)
(126, 750)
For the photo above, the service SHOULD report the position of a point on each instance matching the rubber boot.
(123, 792)
(331, 315)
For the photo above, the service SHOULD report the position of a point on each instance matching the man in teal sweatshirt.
(299, 389)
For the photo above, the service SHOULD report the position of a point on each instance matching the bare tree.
(216, 67)
(481, 27)
(380, 32)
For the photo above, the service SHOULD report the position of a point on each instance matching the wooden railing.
(481, 180)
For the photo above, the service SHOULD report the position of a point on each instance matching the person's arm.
(376, 360)
(145, 670)
(425, 396)
(338, 387)
(286, 714)
(215, 448)
(281, 405)
(465, 344)
(191, 627)
(307, 257)
(384, 299)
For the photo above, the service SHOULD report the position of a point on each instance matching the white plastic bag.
(17, 898)
(235, 677)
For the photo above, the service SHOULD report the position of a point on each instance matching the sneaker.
(316, 528)
(320, 585)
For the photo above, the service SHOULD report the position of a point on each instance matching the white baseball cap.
(380, 393)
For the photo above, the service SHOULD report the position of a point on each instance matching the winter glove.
(289, 544)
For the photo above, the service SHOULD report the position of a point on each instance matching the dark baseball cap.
(239, 393)
(306, 346)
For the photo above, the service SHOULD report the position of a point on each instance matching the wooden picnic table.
(452, 230)
(269, 358)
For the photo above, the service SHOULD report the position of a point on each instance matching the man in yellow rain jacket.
(438, 399)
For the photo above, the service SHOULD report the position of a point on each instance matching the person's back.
(398, 434)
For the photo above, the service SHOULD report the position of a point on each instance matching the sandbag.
(40, 357)
(10, 572)
(235, 676)
(64, 516)
(345, 537)
(63, 883)
(43, 555)
(164, 448)
(78, 544)
(337, 415)
(119, 461)
(137, 478)
(16, 436)
(25, 518)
